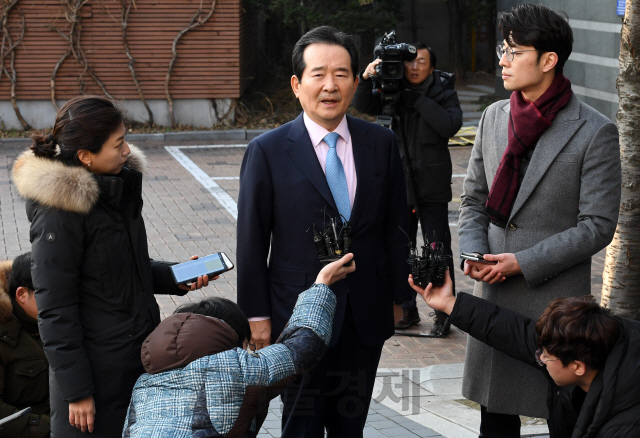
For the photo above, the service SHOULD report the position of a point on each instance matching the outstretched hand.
(336, 271)
(437, 297)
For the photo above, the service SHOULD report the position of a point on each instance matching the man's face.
(562, 375)
(418, 70)
(525, 73)
(26, 299)
(327, 85)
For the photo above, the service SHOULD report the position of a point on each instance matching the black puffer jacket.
(24, 379)
(611, 408)
(94, 283)
(428, 123)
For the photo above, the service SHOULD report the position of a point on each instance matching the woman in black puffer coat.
(94, 281)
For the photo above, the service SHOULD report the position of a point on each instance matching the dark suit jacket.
(283, 191)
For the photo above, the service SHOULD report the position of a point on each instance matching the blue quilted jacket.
(227, 394)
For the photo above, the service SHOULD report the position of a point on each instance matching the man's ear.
(580, 368)
(22, 295)
(549, 61)
(295, 85)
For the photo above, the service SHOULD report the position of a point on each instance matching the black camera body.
(390, 71)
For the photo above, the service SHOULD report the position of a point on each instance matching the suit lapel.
(301, 152)
(549, 146)
(363, 156)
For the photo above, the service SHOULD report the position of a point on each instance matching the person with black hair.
(324, 165)
(24, 380)
(427, 113)
(541, 197)
(587, 358)
(94, 281)
(200, 381)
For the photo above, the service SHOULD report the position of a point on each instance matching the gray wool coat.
(565, 212)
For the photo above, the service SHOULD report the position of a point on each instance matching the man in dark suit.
(324, 162)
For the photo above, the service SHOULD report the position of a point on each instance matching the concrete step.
(470, 95)
(484, 88)
(470, 107)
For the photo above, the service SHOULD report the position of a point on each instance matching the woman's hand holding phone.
(201, 282)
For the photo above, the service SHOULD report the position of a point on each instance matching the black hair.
(432, 55)
(224, 309)
(324, 35)
(577, 328)
(539, 27)
(20, 274)
(85, 122)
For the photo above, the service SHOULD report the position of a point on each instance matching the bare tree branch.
(195, 22)
(53, 77)
(7, 7)
(72, 15)
(126, 8)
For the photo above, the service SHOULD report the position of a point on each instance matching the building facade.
(62, 49)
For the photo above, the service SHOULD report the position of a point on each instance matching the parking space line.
(209, 146)
(207, 182)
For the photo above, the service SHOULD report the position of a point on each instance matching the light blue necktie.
(336, 177)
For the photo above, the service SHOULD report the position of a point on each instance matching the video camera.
(390, 71)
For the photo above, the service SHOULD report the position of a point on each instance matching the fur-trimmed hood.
(6, 308)
(57, 185)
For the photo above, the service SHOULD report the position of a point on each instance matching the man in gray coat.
(541, 197)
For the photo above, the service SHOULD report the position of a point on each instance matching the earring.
(89, 165)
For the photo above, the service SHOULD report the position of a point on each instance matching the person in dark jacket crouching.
(591, 357)
(23, 365)
(94, 281)
(201, 382)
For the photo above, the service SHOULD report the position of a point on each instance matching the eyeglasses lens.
(500, 51)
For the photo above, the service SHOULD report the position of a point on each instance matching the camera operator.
(426, 113)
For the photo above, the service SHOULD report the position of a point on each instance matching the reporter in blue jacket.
(201, 382)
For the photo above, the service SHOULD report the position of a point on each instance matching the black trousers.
(335, 395)
(494, 425)
(434, 221)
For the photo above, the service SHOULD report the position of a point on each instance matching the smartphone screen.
(193, 269)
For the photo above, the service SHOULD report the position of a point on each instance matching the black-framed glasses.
(542, 362)
(511, 54)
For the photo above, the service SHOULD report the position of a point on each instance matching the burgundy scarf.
(527, 122)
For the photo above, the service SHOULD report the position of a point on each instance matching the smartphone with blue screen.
(211, 265)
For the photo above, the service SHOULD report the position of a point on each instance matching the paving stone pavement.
(183, 218)
(382, 422)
